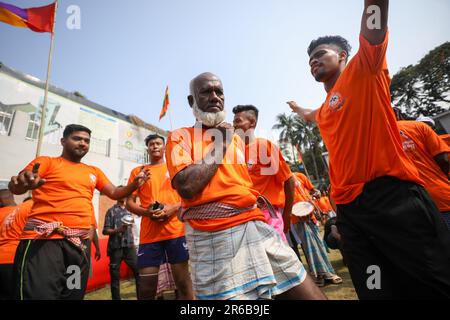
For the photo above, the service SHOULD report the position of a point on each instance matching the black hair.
(247, 107)
(71, 128)
(335, 40)
(153, 137)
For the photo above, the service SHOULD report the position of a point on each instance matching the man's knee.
(148, 283)
(114, 269)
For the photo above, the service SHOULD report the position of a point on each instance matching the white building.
(117, 141)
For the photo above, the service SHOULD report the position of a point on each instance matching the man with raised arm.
(395, 242)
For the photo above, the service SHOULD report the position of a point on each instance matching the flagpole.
(44, 105)
(170, 120)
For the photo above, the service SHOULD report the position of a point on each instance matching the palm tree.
(307, 137)
(286, 124)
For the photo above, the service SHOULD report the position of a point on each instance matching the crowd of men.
(217, 203)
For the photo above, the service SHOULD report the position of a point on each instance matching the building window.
(100, 146)
(6, 117)
(128, 153)
(33, 127)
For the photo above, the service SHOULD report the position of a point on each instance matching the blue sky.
(126, 52)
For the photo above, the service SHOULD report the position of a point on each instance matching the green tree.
(424, 88)
(295, 133)
(286, 125)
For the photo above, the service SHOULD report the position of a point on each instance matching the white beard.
(209, 119)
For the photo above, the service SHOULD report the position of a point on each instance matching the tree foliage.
(424, 88)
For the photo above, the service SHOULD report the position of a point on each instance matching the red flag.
(40, 19)
(166, 103)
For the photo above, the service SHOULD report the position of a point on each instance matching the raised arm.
(117, 193)
(374, 20)
(308, 115)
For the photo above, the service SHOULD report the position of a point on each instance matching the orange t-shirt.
(305, 181)
(231, 184)
(268, 170)
(325, 205)
(12, 221)
(67, 194)
(157, 188)
(422, 144)
(446, 138)
(359, 127)
(302, 187)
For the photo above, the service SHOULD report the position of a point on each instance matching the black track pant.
(51, 270)
(395, 228)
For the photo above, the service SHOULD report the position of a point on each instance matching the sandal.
(335, 279)
(320, 281)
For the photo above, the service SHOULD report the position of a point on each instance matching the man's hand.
(27, 180)
(295, 108)
(142, 177)
(226, 128)
(150, 213)
(122, 229)
(98, 255)
(316, 194)
(165, 213)
(304, 114)
(287, 223)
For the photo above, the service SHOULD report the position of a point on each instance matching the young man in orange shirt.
(234, 253)
(429, 153)
(270, 174)
(162, 234)
(306, 231)
(52, 259)
(374, 184)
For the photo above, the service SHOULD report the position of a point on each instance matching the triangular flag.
(166, 103)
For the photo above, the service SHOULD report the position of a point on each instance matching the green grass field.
(343, 291)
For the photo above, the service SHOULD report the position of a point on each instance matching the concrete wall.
(124, 139)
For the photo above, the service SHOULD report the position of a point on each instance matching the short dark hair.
(247, 107)
(336, 40)
(154, 136)
(71, 128)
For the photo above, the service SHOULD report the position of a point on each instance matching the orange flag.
(166, 103)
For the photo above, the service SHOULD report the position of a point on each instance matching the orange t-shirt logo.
(93, 178)
(336, 102)
(408, 143)
(9, 219)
